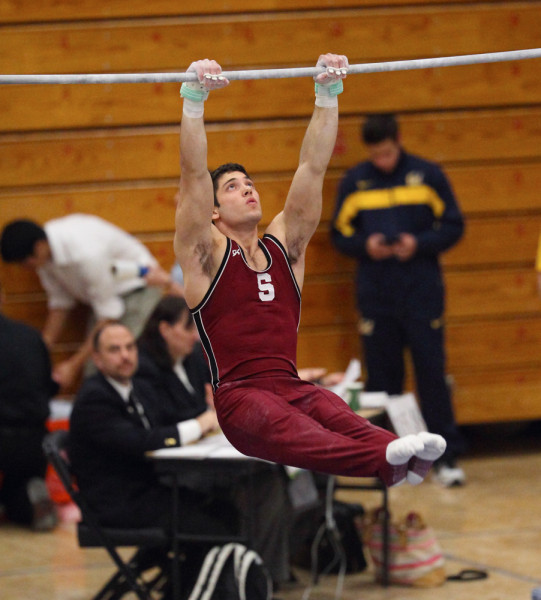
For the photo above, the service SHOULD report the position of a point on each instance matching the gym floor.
(493, 523)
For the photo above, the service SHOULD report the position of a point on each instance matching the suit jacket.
(25, 376)
(171, 402)
(107, 450)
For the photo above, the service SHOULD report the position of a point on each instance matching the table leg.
(175, 563)
(386, 526)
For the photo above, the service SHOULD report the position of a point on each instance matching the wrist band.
(194, 91)
(194, 95)
(327, 94)
(329, 89)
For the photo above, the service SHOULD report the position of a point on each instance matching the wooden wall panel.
(24, 285)
(494, 343)
(497, 395)
(492, 293)
(26, 108)
(329, 301)
(368, 34)
(144, 208)
(34, 312)
(72, 10)
(507, 246)
(332, 348)
(496, 242)
(471, 296)
(484, 192)
(459, 138)
(493, 189)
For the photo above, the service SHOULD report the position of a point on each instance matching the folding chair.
(92, 535)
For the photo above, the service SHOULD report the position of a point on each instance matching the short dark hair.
(170, 309)
(222, 170)
(378, 128)
(19, 239)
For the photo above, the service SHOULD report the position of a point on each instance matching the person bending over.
(83, 258)
(245, 297)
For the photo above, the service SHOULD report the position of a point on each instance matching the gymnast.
(245, 296)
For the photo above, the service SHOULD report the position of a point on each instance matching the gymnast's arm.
(194, 239)
(295, 225)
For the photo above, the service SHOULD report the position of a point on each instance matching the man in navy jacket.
(396, 213)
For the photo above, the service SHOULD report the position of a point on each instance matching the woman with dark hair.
(172, 362)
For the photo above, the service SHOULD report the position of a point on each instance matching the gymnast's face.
(384, 155)
(238, 199)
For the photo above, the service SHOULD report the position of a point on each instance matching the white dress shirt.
(83, 249)
(190, 430)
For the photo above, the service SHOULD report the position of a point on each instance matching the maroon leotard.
(248, 319)
(248, 323)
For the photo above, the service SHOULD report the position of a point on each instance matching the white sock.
(399, 451)
(434, 447)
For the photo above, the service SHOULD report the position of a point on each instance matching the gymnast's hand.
(209, 74)
(336, 68)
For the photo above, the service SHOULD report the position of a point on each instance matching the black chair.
(128, 577)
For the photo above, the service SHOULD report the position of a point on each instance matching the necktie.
(137, 407)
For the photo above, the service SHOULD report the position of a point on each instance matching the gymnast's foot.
(399, 453)
(419, 464)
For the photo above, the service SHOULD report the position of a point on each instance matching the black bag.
(311, 524)
(232, 572)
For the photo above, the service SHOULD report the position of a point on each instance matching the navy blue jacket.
(415, 198)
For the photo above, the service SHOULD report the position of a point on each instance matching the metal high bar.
(380, 67)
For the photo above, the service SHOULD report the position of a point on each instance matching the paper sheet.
(213, 446)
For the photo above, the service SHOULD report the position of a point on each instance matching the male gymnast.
(245, 296)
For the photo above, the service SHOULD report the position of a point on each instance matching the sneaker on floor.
(45, 517)
(446, 473)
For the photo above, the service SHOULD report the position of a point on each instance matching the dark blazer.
(107, 449)
(25, 376)
(170, 401)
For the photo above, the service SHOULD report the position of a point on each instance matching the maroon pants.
(296, 423)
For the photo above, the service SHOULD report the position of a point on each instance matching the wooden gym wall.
(112, 150)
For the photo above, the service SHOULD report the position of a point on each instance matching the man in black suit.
(110, 432)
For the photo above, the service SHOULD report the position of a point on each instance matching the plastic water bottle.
(536, 593)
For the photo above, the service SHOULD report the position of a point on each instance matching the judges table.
(214, 455)
(211, 457)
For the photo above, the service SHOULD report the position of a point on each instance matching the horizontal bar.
(397, 65)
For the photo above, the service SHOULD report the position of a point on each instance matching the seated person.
(26, 387)
(110, 432)
(171, 362)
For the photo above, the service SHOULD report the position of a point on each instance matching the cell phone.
(391, 239)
